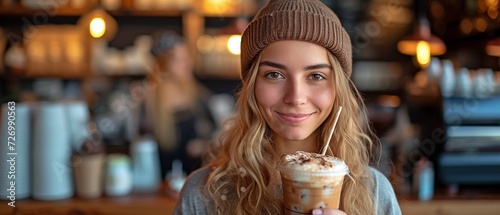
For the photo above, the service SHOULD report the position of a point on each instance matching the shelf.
(133, 204)
(22, 75)
(18, 11)
(146, 13)
(84, 76)
(76, 74)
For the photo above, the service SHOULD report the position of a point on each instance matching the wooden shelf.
(146, 13)
(27, 77)
(81, 75)
(133, 204)
(17, 11)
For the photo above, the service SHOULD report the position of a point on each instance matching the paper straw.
(331, 131)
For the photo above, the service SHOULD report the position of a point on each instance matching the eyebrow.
(319, 66)
(272, 64)
(281, 66)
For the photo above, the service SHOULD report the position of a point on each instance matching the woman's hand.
(328, 211)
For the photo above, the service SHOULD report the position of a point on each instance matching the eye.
(317, 77)
(274, 75)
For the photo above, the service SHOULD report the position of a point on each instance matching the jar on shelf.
(118, 175)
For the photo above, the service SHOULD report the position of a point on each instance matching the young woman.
(296, 67)
(176, 105)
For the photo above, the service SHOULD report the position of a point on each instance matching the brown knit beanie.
(305, 20)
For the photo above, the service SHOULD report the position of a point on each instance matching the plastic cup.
(307, 189)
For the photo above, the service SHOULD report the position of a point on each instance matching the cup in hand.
(311, 181)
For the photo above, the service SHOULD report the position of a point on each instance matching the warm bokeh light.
(99, 23)
(493, 12)
(423, 53)
(217, 7)
(481, 24)
(233, 44)
(437, 10)
(97, 27)
(466, 26)
(74, 51)
(389, 101)
(409, 46)
(491, 3)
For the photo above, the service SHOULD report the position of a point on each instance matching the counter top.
(483, 200)
(161, 202)
(480, 200)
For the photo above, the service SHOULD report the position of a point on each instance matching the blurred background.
(117, 100)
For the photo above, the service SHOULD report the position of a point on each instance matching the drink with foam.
(310, 181)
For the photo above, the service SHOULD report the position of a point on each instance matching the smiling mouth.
(294, 118)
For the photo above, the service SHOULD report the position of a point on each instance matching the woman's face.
(177, 62)
(294, 89)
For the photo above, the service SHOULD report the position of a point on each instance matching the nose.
(295, 93)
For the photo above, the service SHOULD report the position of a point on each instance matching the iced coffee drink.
(311, 181)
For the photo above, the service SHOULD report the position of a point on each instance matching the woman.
(176, 106)
(296, 64)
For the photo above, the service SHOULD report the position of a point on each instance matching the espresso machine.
(471, 153)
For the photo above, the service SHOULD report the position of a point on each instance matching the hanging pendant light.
(421, 43)
(99, 23)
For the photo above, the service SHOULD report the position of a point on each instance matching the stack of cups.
(17, 168)
(52, 173)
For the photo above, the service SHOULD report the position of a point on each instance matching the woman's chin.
(293, 136)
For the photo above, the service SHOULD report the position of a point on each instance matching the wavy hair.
(243, 177)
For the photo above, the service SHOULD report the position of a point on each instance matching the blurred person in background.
(176, 105)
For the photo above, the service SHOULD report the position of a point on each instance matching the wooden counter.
(451, 207)
(164, 206)
(133, 204)
(477, 200)
(484, 201)
(109, 206)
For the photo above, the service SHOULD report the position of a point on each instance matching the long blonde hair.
(243, 177)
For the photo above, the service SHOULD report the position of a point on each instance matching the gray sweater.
(190, 200)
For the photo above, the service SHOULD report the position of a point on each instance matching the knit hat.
(305, 20)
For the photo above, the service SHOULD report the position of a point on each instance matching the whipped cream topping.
(307, 161)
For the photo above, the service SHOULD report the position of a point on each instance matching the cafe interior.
(83, 79)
